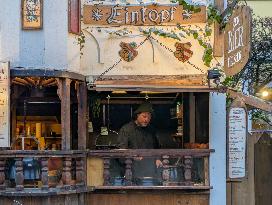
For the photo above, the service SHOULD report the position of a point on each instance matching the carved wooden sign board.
(141, 15)
(237, 132)
(4, 105)
(237, 41)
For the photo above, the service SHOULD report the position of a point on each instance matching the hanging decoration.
(183, 52)
(128, 51)
(119, 61)
(170, 50)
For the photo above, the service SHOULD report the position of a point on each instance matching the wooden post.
(192, 117)
(44, 173)
(128, 172)
(106, 174)
(218, 48)
(2, 174)
(66, 173)
(206, 171)
(19, 177)
(13, 125)
(82, 115)
(166, 171)
(64, 95)
(188, 162)
(80, 171)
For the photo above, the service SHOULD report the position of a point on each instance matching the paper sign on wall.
(4, 105)
(237, 131)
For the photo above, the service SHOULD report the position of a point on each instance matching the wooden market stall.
(166, 54)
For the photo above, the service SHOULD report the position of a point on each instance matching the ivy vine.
(95, 107)
(81, 42)
(160, 32)
(213, 15)
(186, 6)
(207, 56)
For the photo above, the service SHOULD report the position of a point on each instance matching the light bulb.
(265, 93)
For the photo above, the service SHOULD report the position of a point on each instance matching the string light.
(265, 93)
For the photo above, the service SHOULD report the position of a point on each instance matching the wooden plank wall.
(163, 198)
(95, 172)
(70, 199)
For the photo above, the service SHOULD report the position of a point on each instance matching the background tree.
(258, 71)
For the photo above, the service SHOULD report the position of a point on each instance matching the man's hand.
(159, 163)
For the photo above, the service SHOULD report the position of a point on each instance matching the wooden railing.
(73, 171)
(186, 158)
(67, 157)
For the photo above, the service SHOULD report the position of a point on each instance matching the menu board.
(237, 143)
(4, 105)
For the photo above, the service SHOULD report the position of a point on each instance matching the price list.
(237, 142)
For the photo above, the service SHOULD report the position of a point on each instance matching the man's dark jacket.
(132, 136)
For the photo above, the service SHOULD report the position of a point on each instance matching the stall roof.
(166, 83)
(251, 100)
(26, 72)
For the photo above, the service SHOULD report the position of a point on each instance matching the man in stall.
(139, 134)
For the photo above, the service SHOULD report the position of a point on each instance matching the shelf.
(52, 138)
(177, 135)
(174, 118)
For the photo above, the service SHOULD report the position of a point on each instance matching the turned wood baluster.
(106, 173)
(66, 173)
(80, 171)
(128, 172)
(165, 171)
(44, 173)
(2, 173)
(19, 176)
(188, 163)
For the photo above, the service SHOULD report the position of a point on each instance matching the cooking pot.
(147, 181)
(118, 181)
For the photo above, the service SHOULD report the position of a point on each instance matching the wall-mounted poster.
(4, 105)
(237, 132)
(74, 16)
(32, 14)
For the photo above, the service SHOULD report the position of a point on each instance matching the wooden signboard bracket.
(218, 34)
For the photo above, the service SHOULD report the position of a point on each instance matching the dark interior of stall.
(181, 121)
(38, 118)
(176, 117)
(36, 125)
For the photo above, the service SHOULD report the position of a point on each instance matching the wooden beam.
(82, 115)
(64, 95)
(21, 81)
(159, 80)
(251, 100)
(30, 81)
(45, 82)
(218, 48)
